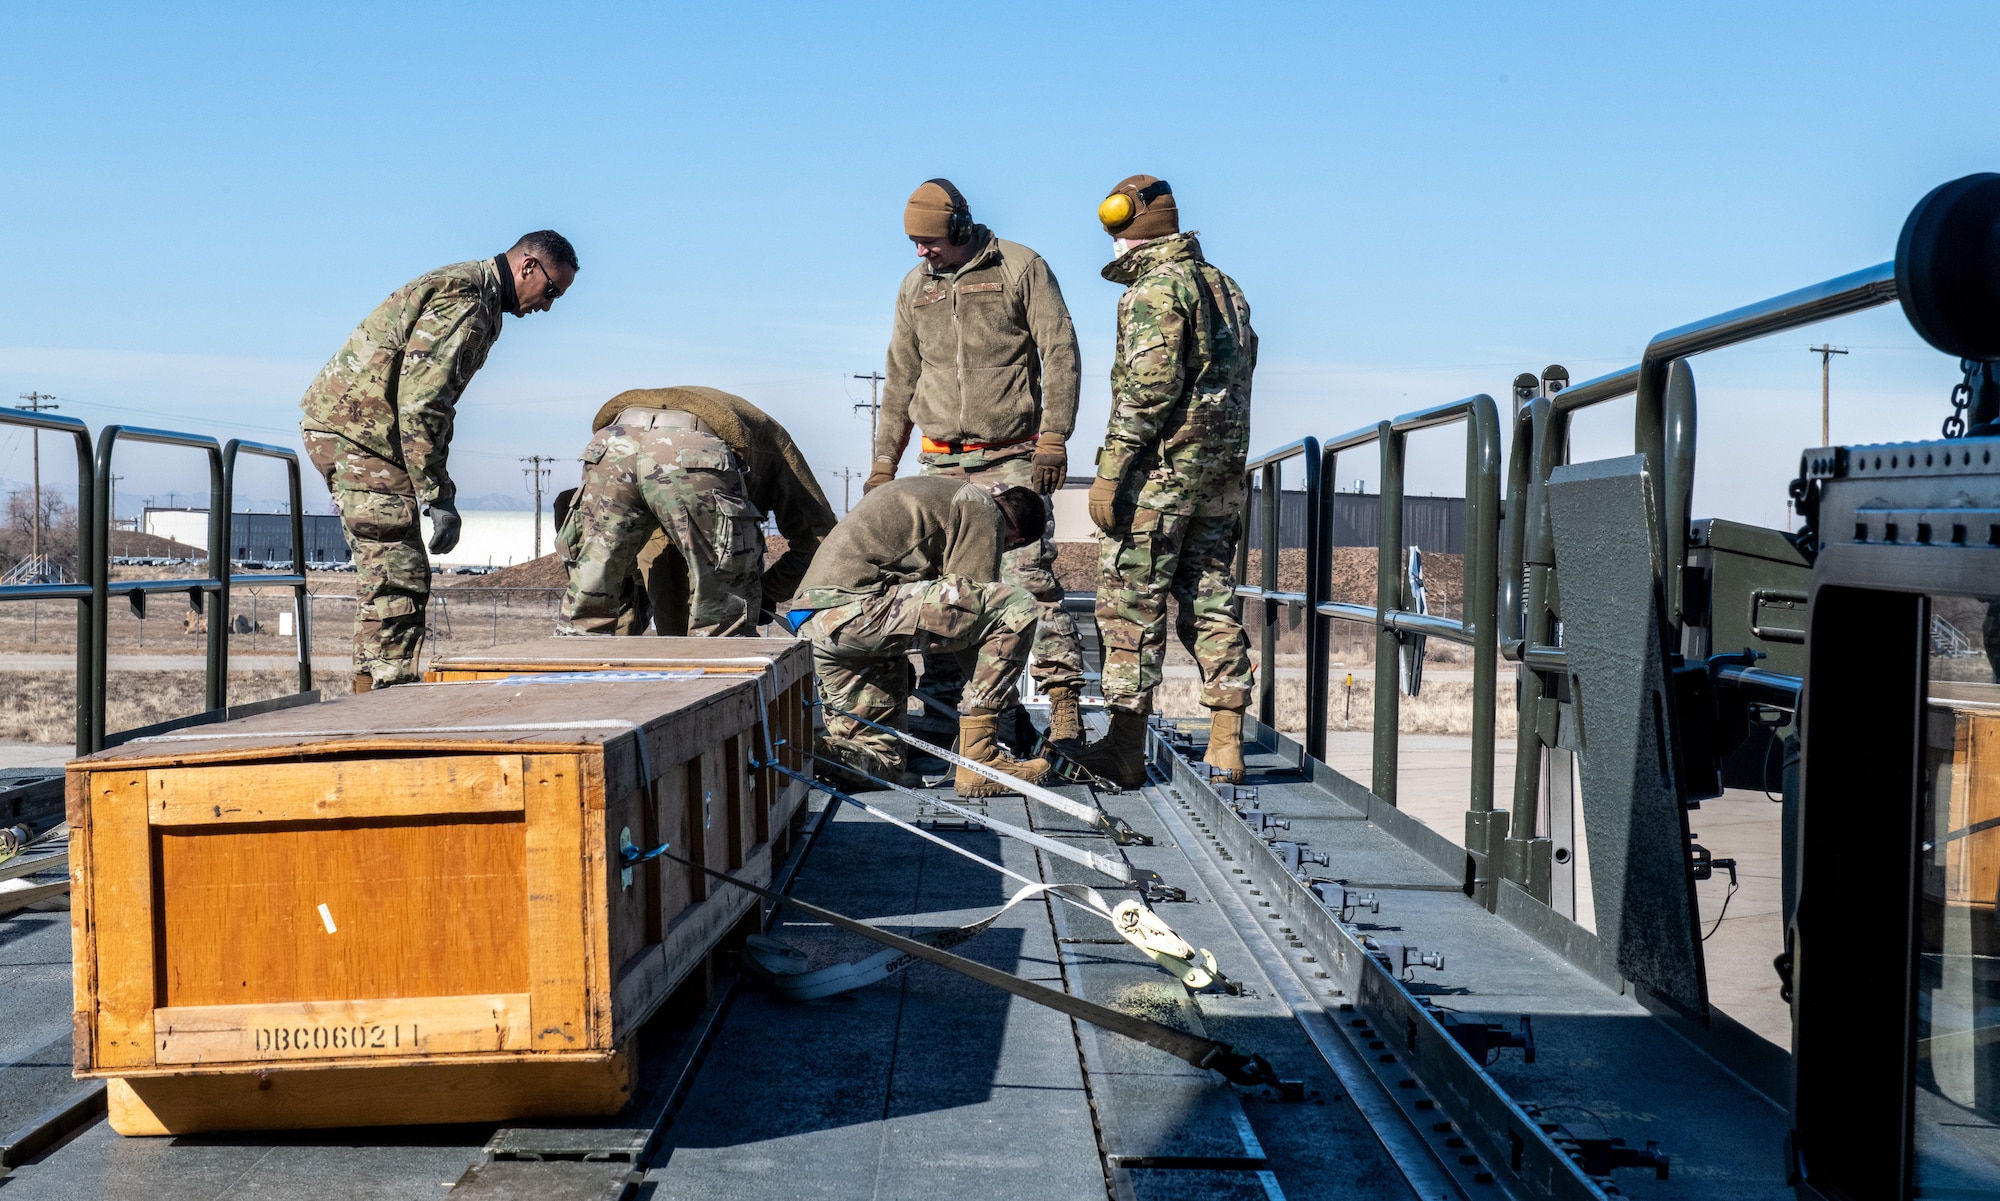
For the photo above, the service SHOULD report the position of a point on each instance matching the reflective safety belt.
(1249, 1070)
(1133, 921)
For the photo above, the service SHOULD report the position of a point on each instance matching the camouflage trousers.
(686, 484)
(861, 651)
(1192, 559)
(392, 576)
(1057, 658)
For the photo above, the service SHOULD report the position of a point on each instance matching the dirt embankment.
(1352, 571)
(135, 545)
(548, 571)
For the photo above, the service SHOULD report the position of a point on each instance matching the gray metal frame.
(1510, 572)
(1261, 474)
(213, 585)
(1390, 615)
(91, 679)
(296, 578)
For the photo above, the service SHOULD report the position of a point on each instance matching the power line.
(847, 477)
(1826, 352)
(537, 473)
(874, 405)
(34, 405)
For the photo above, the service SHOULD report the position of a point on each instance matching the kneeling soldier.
(919, 559)
(701, 467)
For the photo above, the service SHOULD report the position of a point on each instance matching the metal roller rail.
(1428, 1073)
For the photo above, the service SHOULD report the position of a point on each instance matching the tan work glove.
(883, 473)
(1102, 492)
(1051, 463)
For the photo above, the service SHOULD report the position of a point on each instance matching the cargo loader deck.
(931, 1084)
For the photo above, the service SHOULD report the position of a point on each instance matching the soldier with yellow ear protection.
(983, 360)
(1169, 484)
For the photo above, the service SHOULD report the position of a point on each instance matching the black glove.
(444, 528)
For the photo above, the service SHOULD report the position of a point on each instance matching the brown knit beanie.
(928, 214)
(1141, 206)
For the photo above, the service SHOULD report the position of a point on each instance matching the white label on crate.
(341, 1029)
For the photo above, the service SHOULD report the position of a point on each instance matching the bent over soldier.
(378, 424)
(686, 474)
(918, 562)
(1169, 487)
(983, 359)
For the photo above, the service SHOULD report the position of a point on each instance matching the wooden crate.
(406, 906)
(1964, 753)
(785, 664)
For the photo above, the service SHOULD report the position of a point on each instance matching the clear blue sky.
(1420, 201)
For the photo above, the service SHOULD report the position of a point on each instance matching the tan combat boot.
(1225, 744)
(976, 741)
(363, 681)
(1065, 718)
(1119, 756)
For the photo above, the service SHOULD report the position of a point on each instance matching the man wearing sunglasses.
(378, 421)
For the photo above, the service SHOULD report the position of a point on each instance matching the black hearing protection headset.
(958, 226)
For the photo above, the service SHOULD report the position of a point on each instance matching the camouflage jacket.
(984, 354)
(775, 470)
(916, 528)
(1180, 380)
(393, 389)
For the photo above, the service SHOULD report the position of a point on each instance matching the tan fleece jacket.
(985, 354)
(915, 528)
(775, 470)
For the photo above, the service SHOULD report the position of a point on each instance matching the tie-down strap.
(1134, 922)
(1092, 815)
(1249, 1070)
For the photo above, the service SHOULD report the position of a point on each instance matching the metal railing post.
(82, 591)
(218, 570)
(1388, 599)
(1677, 447)
(1527, 857)
(1262, 482)
(1481, 615)
(1267, 610)
(1316, 626)
(301, 602)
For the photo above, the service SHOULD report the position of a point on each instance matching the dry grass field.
(461, 616)
(38, 706)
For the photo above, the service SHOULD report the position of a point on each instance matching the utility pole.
(114, 501)
(537, 472)
(35, 404)
(847, 477)
(875, 379)
(1826, 352)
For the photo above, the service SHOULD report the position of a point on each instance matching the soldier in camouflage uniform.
(698, 468)
(916, 564)
(1169, 489)
(983, 357)
(378, 422)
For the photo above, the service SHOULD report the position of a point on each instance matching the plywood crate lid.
(789, 659)
(677, 717)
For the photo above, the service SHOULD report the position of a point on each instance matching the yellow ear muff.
(1115, 210)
